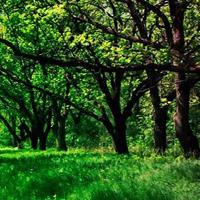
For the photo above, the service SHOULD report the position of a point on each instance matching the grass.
(95, 175)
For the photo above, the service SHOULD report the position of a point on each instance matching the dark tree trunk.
(118, 133)
(14, 142)
(12, 129)
(184, 133)
(36, 131)
(61, 135)
(120, 142)
(159, 115)
(119, 137)
(14, 126)
(43, 132)
(34, 142)
(43, 141)
(42, 135)
(59, 126)
(188, 141)
(160, 120)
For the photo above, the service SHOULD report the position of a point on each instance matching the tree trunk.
(120, 143)
(35, 134)
(14, 126)
(188, 141)
(119, 139)
(61, 135)
(160, 138)
(59, 127)
(14, 142)
(159, 115)
(34, 142)
(184, 133)
(43, 141)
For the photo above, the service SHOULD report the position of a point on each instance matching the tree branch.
(141, 89)
(97, 67)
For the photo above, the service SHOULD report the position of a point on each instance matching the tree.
(121, 39)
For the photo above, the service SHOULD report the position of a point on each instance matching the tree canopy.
(109, 65)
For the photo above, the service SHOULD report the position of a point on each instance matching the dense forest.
(95, 79)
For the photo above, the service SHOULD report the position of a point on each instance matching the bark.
(39, 133)
(24, 133)
(62, 146)
(14, 126)
(159, 116)
(59, 127)
(11, 129)
(160, 138)
(34, 142)
(188, 140)
(120, 141)
(119, 128)
(36, 133)
(43, 141)
(118, 133)
(184, 133)
(45, 131)
(14, 142)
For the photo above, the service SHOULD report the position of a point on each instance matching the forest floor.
(96, 175)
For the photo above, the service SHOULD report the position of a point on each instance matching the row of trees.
(99, 58)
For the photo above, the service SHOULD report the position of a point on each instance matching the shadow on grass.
(31, 175)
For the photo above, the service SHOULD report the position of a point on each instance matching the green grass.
(80, 175)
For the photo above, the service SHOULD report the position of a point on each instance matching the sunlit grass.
(100, 175)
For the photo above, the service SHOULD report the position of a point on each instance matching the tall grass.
(79, 175)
